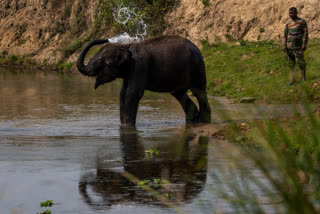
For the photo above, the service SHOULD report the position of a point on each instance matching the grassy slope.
(258, 69)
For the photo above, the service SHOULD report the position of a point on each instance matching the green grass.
(298, 127)
(24, 60)
(65, 66)
(47, 203)
(205, 3)
(258, 69)
(73, 47)
(288, 159)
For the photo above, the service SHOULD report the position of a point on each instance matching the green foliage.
(143, 182)
(66, 66)
(229, 37)
(259, 69)
(243, 42)
(205, 44)
(205, 3)
(155, 181)
(152, 152)
(3, 53)
(168, 195)
(261, 30)
(28, 61)
(289, 163)
(47, 203)
(13, 58)
(58, 28)
(20, 60)
(73, 47)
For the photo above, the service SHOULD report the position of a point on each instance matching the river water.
(61, 140)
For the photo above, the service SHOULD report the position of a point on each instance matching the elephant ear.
(125, 57)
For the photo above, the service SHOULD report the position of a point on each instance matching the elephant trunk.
(80, 62)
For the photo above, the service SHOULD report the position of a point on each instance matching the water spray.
(125, 16)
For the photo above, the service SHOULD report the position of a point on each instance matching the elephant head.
(108, 64)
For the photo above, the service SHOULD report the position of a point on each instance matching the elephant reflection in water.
(183, 164)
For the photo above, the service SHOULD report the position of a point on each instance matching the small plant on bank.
(205, 2)
(229, 37)
(13, 58)
(4, 53)
(66, 66)
(243, 42)
(73, 47)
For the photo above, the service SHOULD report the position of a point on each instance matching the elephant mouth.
(101, 80)
(98, 82)
(96, 85)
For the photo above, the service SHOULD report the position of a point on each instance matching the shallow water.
(61, 140)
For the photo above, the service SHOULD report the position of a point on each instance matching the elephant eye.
(109, 61)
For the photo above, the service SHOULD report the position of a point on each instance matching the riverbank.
(259, 69)
(250, 133)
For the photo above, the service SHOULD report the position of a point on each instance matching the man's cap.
(293, 9)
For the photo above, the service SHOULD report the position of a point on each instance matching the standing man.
(295, 43)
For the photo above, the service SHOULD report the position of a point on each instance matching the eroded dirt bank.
(51, 31)
(222, 20)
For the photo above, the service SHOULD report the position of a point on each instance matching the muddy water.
(61, 140)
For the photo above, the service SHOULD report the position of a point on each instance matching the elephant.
(171, 64)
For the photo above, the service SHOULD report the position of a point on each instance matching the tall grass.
(288, 168)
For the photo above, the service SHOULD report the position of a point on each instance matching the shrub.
(65, 65)
(13, 58)
(205, 2)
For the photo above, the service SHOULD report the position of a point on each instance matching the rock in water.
(247, 100)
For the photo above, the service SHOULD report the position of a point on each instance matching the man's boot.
(291, 77)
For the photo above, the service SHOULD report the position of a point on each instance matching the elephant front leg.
(123, 94)
(131, 107)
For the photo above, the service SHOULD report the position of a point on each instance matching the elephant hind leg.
(189, 108)
(205, 110)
